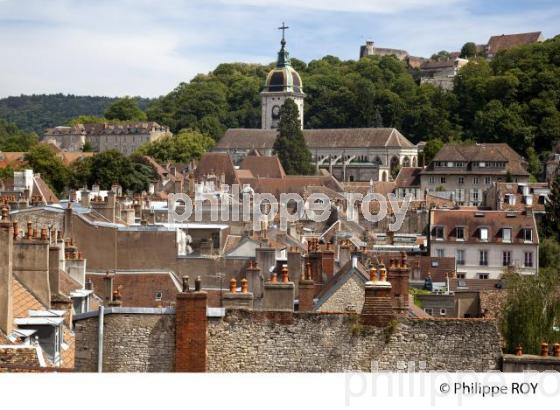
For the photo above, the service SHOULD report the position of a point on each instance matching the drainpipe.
(100, 339)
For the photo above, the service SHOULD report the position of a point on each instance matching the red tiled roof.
(216, 163)
(505, 41)
(263, 167)
(23, 300)
(408, 177)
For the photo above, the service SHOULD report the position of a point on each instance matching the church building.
(349, 154)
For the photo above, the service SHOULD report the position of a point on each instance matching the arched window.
(406, 162)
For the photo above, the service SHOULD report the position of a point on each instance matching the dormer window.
(439, 232)
(460, 233)
(527, 235)
(506, 235)
(484, 234)
(510, 199)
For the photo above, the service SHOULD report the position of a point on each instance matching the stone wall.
(526, 363)
(244, 341)
(132, 343)
(250, 342)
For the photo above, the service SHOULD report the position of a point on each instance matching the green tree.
(86, 119)
(87, 147)
(125, 109)
(111, 167)
(535, 167)
(551, 223)
(442, 55)
(431, 149)
(180, 148)
(290, 144)
(42, 159)
(549, 253)
(531, 310)
(12, 139)
(468, 50)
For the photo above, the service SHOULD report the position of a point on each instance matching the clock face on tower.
(276, 112)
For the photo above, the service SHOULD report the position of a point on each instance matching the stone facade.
(349, 296)
(245, 341)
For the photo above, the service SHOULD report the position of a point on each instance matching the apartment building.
(485, 243)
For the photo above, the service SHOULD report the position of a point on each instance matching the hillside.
(37, 112)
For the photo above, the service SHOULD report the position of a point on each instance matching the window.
(475, 180)
(443, 312)
(482, 276)
(435, 263)
(442, 180)
(506, 258)
(461, 275)
(159, 296)
(475, 196)
(460, 231)
(429, 311)
(483, 258)
(487, 180)
(440, 253)
(484, 234)
(527, 235)
(506, 235)
(432, 180)
(439, 232)
(461, 180)
(460, 256)
(528, 259)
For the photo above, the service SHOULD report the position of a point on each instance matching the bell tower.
(281, 83)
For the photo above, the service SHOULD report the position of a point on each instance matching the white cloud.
(147, 47)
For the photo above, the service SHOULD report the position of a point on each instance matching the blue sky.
(146, 47)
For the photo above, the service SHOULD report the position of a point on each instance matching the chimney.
(306, 290)
(378, 306)
(108, 285)
(295, 266)
(68, 220)
(266, 259)
(191, 324)
(116, 299)
(327, 262)
(84, 200)
(279, 296)
(255, 280)
(343, 252)
(238, 300)
(398, 277)
(6, 272)
(56, 254)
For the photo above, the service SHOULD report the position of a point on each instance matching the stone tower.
(281, 83)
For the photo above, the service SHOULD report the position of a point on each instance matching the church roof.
(245, 138)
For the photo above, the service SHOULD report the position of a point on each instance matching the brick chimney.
(6, 275)
(238, 300)
(378, 302)
(68, 221)
(279, 296)
(191, 323)
(327, 261)
(398, 277)
(306, 290)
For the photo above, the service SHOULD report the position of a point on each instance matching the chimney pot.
(244, 286)
(44, 233)
(519, 351)
(16, 231)
(556, 350)
(29, 230)
(232, 285)
(373, 274)
(285, 278)
(382, 273)
(198, 284)
(544, 349)
(274, 278)
(185, 283)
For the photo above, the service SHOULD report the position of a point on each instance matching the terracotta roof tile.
(23, 300)
(505, 41)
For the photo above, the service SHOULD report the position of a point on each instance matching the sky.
(147, 47)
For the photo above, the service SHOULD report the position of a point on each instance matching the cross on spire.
(284, 27)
